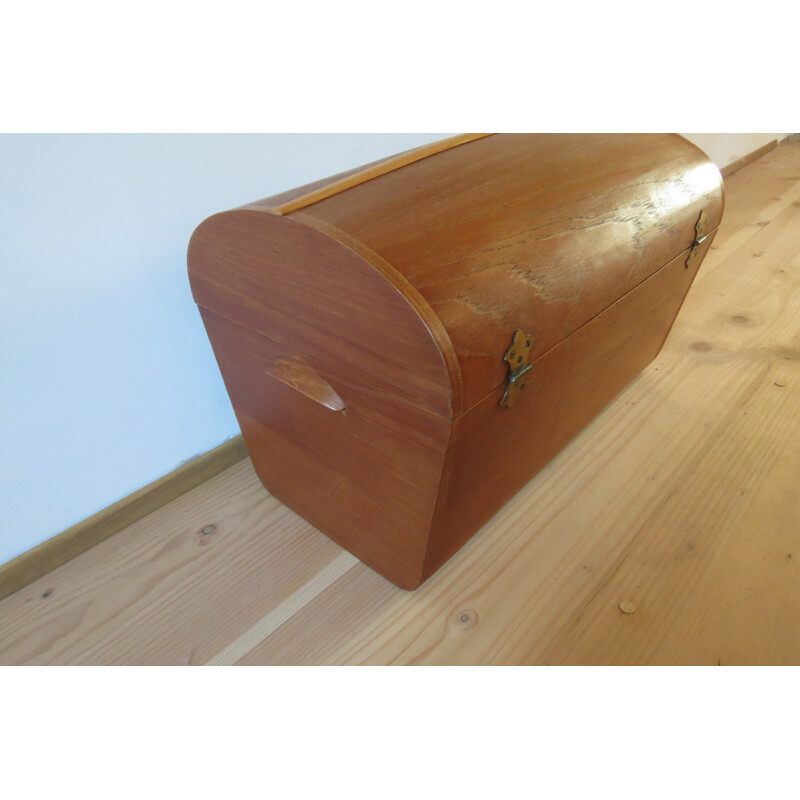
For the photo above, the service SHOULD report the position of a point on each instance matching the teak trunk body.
(361, 323)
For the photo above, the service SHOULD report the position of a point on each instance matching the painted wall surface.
(109, 380)
(725, 148)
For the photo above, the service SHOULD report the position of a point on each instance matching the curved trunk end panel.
(340, 390)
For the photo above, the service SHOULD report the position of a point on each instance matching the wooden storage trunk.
(406, 345)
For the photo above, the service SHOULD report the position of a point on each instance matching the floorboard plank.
(164, 592)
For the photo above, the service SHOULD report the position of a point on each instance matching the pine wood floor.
(680, 504)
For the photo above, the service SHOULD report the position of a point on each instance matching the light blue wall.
(108, 379)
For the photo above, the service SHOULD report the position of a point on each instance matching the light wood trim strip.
(729, 169)
(283, 612)
(402, 160)
(68, 544)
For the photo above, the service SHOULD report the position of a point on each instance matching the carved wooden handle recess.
(307, 381)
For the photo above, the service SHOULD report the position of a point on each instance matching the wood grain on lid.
(540, 232)
(375, 171)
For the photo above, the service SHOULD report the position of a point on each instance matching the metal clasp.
(518, 367)
(699, 238)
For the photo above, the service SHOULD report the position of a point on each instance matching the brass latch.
(699, 237)
(518, 367)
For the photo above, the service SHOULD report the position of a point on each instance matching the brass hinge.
(699, 237)
(518, 367)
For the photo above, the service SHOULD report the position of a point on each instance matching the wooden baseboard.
(729, 169)
(72, 542)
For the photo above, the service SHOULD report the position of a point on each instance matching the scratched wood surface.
(668, 532)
